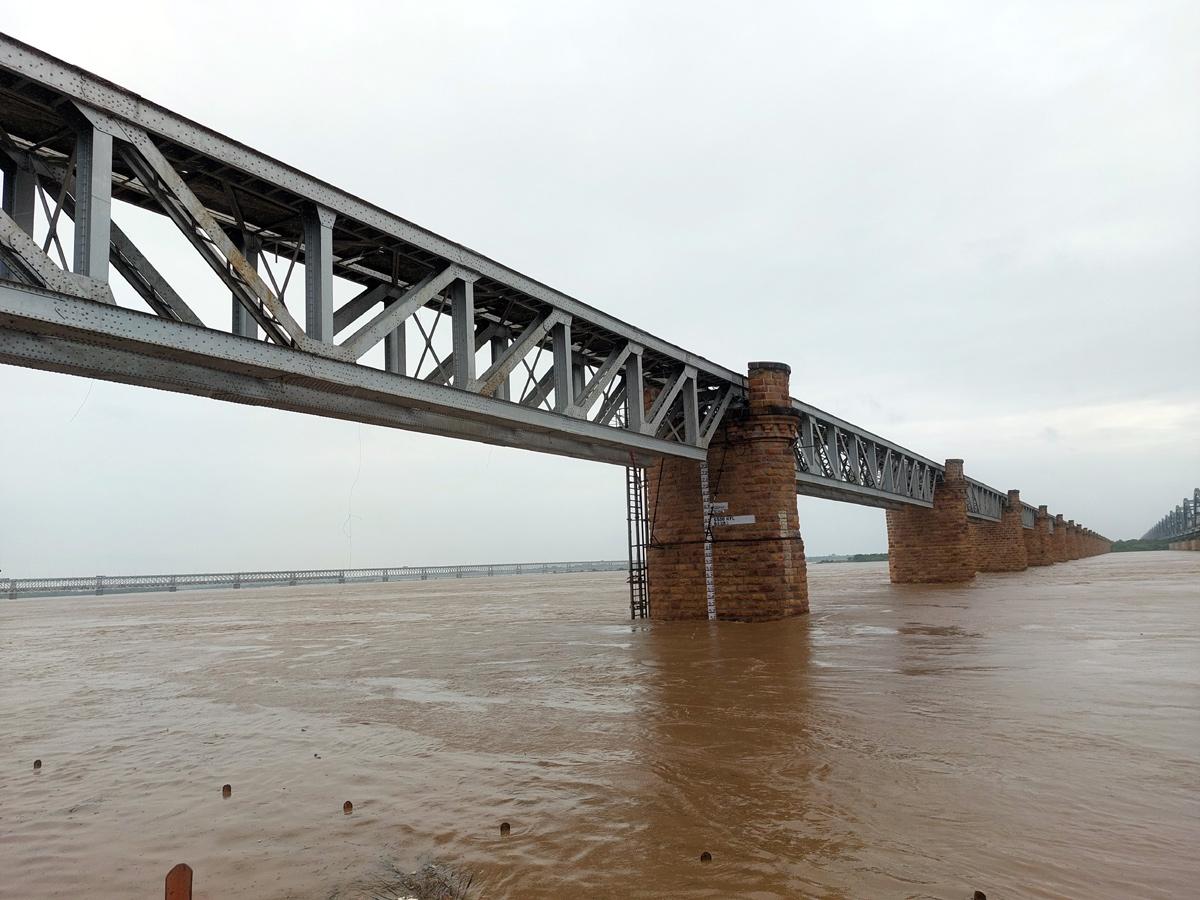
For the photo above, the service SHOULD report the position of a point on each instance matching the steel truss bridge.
(471, 348)
(1180, 524)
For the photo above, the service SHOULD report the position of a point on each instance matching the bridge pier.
(1072, 540)
(1037, 540)
(933, 546)
(1058, 539)
(1000, 546)
(742, 557)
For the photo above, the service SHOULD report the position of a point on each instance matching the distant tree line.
(867, 557)
(1139, 544)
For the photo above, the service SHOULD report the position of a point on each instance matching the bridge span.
(1180, 528)
(470, 349)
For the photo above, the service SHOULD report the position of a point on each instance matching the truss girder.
(985, 503)
(586, 373)
(197, 224)
(416, 297)
(515, 352)
(23, 256)
(66, 334)
(839, 461)
(1180, 524)
(1028, 516)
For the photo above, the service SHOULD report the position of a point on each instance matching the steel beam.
(563, 383)
(395, 351)
(635, 390)
(35, 316)
(392, 315)
(499, 344)
(20, 195)
(511, 356)
(586, 397)
(25, 258)
(243, 323)
(714, 415)
(93, 200)
(197, 224)
(462, 318)
(349, 313)
(318, 272)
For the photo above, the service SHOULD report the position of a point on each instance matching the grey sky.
(972, 228)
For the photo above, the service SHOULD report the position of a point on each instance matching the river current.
(1034, 735)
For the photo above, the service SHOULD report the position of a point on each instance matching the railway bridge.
(440, 339)
(1180, 528)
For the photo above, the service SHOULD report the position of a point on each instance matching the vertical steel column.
(561, 338)
(395, 350)
(93, 201)
(808, 445)
(635, 396)
(251, 246)
(318, 272)
(19, 199)
(831, 448)
(19, 196)
(499, 344)
(578, 380)
(691, 413)
(462, 315)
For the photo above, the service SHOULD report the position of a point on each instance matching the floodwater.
(1030, 735)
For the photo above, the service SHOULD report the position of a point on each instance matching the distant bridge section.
(125, 584)
(1180, 526)
(839, 461)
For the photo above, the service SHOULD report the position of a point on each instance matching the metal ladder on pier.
(639, 539)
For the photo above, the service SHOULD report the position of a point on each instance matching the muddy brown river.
(1030, 735)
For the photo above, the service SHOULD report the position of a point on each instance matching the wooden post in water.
(179, 883)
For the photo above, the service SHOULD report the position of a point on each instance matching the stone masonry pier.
(725, 536)
(755, 567)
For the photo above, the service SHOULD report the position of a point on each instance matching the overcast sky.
(972, 228)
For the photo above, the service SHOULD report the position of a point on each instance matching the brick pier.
(750, 561)
(1037, 540)
(1000, 546)
(931, 546)
(758, 569)
(1058, 540)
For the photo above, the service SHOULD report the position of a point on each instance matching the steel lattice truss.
(1180, 524)
(471, 348)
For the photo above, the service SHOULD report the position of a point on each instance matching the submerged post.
(179, 883)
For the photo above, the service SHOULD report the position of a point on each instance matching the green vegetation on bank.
(857, 557)
(1139, 544)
